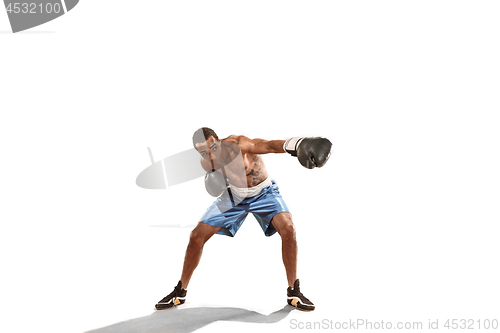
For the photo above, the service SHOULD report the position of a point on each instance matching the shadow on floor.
(187, 320)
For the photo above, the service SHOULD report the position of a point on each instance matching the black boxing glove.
(311, 152)
(215, 183)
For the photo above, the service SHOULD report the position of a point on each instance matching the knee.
(196, 238)
(287, 231)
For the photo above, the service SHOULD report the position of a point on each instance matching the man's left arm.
(261, 146)
(311, 152)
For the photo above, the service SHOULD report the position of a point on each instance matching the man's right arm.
(206, 165)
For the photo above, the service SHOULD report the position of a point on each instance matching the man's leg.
(283, 224)
(197, 240)
(199, 236)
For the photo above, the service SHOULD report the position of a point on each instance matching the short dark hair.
(202, 134)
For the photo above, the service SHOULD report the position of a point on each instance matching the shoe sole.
(175, 303)
(296, 303)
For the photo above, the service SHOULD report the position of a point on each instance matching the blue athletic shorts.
(263, 206)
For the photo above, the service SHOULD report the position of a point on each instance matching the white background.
(401, 224)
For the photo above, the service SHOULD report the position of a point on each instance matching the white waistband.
(251, 191)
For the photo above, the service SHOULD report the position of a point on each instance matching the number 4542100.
(33, 8)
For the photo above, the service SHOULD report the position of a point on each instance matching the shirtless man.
(236, 174)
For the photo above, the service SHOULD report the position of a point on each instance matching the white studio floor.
(108, 279)
(401, 225)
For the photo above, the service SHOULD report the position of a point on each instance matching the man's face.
(210, 149)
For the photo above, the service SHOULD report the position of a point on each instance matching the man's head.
(207, 143)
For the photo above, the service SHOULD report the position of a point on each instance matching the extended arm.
(311, 152)
(261, 146)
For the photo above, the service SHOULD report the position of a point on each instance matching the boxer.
(237, 176)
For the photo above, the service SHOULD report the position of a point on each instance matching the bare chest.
(246, 170)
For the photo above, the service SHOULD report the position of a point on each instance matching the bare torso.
(241, 168)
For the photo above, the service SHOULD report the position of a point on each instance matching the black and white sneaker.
(176, 297)
(296, 299)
